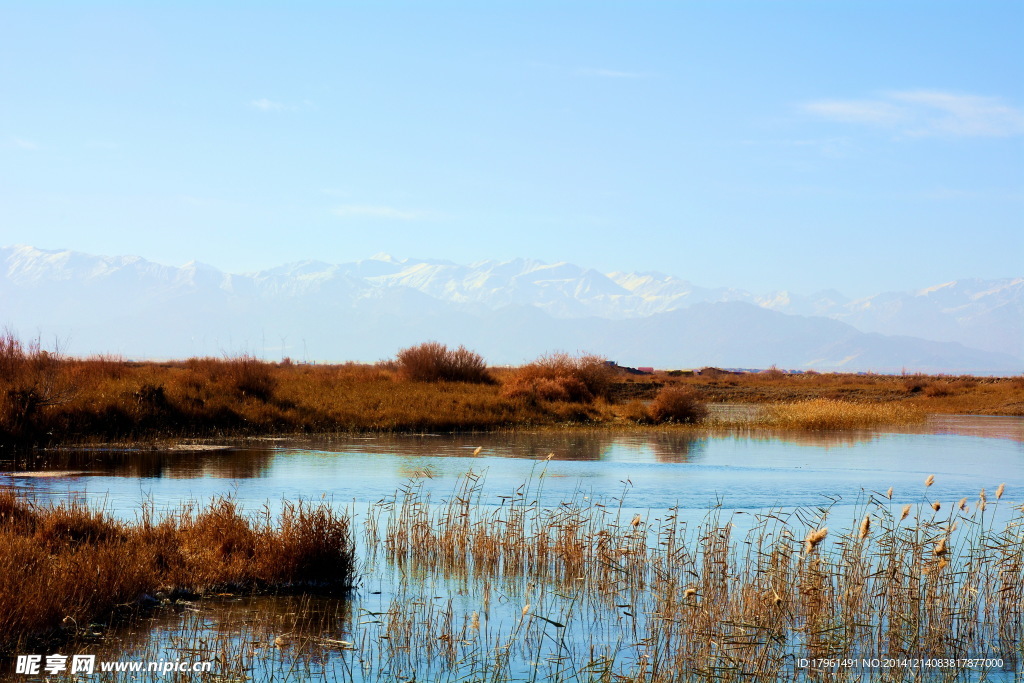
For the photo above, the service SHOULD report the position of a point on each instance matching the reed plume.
(865, 527)
(814, 537)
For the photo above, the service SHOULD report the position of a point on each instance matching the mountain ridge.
(58, 290)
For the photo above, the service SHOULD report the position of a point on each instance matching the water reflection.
(573, 445)
(222, 463)
(744, 470)
(988, 426)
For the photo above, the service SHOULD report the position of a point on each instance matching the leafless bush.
(434, 362)
(677, 404)
(561, 377)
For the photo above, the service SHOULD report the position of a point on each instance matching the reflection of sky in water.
(662, 468)
(749, 474)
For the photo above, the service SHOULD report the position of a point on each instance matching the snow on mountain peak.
(985, 314)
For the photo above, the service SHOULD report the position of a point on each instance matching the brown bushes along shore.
(48, 399)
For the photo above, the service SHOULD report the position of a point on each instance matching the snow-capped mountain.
(509, 311)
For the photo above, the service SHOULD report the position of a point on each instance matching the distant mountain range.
(509, 311)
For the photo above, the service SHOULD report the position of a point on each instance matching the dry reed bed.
(67, 566)
(594, 591)
(611, 595)
(830, 414)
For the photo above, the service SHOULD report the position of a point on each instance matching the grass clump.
(828, 414)
(561, 377)
(66, 566)
(435, 362)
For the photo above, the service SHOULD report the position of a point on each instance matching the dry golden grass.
(828, 414)
(48, 399)
(928, 393)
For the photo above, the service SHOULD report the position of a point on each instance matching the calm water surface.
(656, 470)
(660, 469)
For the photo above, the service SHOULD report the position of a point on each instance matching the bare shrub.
(561, 377)
(677, 404)
(31, 380)
(435, 362)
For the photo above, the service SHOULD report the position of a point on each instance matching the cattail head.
(549, 455)
(940, 548)
(476, 451)
(981, 504)
(936, 506)
(776, 599)
(930, 480)
(865, 526)
(906, 511)
(636, 521)
(982, 495)
(999, 491)
(526, 608)
(962, 504)
(689, 593)
(814, 537)
(474, 621)
(888, 494)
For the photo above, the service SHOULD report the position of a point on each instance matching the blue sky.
(862, 146)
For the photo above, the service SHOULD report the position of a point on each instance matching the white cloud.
(386, 212)
(927, 113)
(876, 113)
(964, 114)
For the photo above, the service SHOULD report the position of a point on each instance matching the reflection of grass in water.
(587, 591)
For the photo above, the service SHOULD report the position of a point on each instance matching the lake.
(656, 475)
